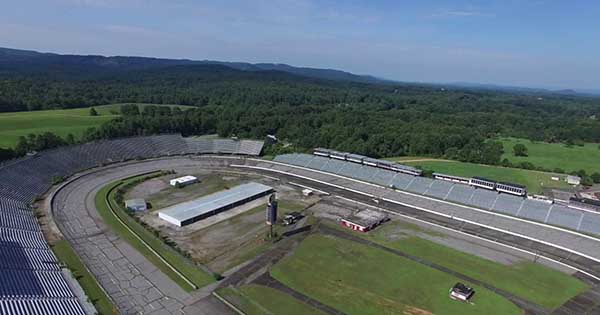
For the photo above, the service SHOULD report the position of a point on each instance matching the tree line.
(375, 120)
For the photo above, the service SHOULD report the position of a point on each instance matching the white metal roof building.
(183, 181)
(573, 180)
(191, 211)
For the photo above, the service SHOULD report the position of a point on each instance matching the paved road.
(135, 284)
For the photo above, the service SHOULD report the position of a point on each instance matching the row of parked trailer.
(365, 160)
(480, 182)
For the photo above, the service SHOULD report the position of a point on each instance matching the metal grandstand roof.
(188, 210)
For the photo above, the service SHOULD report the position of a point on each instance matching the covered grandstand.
(31, 280)
(554, 214)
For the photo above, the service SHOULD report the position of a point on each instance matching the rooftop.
(365, 217)
(135, 202)
(190, 209)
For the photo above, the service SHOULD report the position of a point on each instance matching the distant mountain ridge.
(32, 61)
(521, 89)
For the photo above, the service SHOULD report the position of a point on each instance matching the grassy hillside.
(534, 180)
(555, 155)
(60, 121)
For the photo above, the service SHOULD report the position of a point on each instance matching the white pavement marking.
(311, 188)
(427, 210)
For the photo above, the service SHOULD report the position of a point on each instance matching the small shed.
(461, 292)
(364, 221)
(136, 204)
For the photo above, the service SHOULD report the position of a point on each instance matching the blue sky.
(553, 44)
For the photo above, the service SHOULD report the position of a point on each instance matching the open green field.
(555, 155)
(534, 180)
(61, 122)
(261, 300)
(66, 255)
(530, 281)
(196, 275)
(361, 280)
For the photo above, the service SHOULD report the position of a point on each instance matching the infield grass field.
(261, 300)
(361, 280)
(530, 281)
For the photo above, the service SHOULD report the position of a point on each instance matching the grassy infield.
(358, 279)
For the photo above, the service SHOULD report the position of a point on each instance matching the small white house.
(183, 181)
(555, 178)
(573, 180)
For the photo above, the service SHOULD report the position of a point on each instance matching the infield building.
(192, 211)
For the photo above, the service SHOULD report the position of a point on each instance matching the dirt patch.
(227, 239)
(147, 189)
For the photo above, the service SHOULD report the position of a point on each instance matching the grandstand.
(456, 192)
(31, 281)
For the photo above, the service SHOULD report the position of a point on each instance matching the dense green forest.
(373, 119)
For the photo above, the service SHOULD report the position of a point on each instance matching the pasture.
(555, 155)
(60, 122)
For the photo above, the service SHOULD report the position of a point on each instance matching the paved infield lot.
(137, 286)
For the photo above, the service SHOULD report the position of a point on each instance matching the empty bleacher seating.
(588, 222)
(30, 278)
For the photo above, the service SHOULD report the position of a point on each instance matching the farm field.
(530, 281)
(357, 279)
(261, 300)
(555, 155)
(534, 180)
(60, 122)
